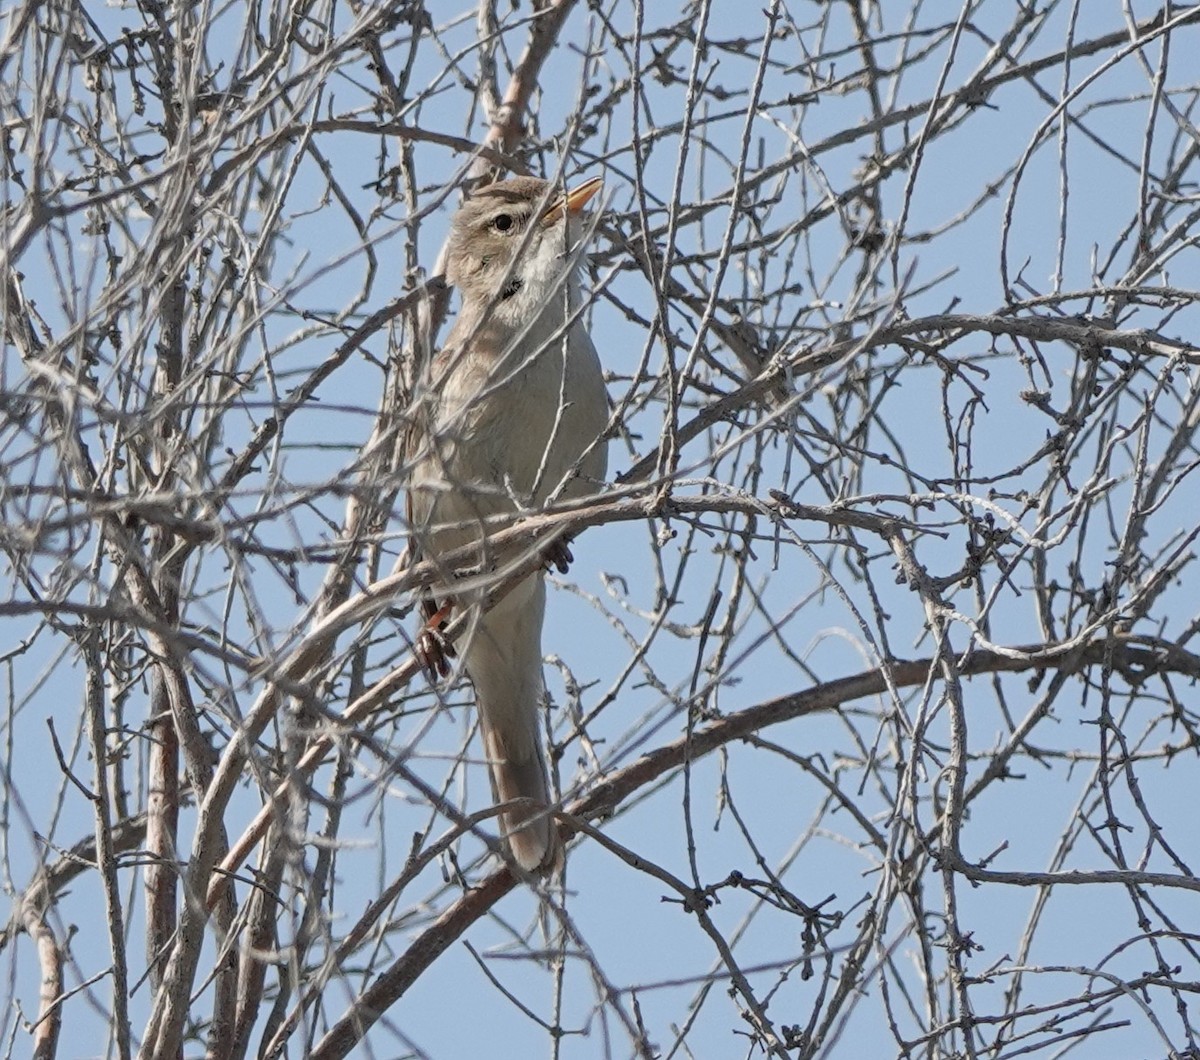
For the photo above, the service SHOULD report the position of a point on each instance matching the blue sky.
(1077, 193)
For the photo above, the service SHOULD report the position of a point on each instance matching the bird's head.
(517, 221)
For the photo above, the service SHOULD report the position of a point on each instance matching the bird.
(510, 414)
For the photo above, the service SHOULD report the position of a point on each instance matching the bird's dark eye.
(502, 222)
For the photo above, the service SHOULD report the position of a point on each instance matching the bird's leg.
(432, 647)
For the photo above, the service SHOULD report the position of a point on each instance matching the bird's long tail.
(504, 661)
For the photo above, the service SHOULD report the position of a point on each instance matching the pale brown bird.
(510, 416)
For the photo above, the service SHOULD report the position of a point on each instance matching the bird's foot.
(433, 648)
(558, 555)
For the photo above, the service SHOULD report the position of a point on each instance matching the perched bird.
(509, 416)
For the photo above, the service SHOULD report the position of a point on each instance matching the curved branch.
(1139, 655)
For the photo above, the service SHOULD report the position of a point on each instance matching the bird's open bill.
(573, 201)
